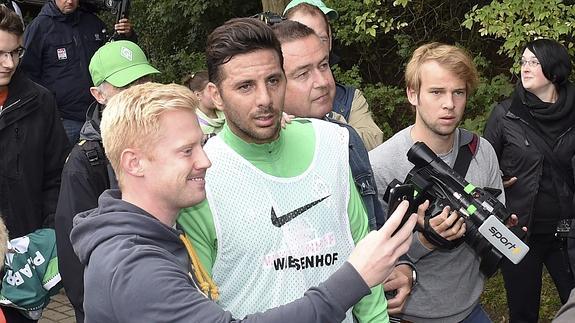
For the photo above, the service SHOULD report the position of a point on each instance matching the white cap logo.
(126, 53)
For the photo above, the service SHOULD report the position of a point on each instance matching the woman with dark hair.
(534, 137)
(210, 118)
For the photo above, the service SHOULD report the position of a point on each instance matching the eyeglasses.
(15, 54)
(531, 63)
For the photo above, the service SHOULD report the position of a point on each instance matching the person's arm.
(198, 224)
(56, 148)
(163, 293)
(361, 119)
(372, 308)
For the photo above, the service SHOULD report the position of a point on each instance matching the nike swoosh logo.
(278, 222)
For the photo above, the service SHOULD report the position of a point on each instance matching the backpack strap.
(466, 152)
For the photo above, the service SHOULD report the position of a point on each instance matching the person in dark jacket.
(533, 136)
(33, 144)
(87, 172)
(59, 44)
(138, 267)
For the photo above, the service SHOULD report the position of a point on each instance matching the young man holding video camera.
(439, 80)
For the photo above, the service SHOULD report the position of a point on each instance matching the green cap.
(119, 63)
(329, 12)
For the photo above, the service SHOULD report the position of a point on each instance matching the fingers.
(509, 182)
(286, 118)
(512, 221)
(448, 224)
(395, 219)
(396, 304)
(457, 231)
(421, 213)
(123, 27)
(401, 283)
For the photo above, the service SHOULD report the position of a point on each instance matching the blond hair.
(454, 59)
(131, 118)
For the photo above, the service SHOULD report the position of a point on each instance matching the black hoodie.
(137, 270)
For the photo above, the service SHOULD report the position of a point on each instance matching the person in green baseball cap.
(115, 67)
(329, 12)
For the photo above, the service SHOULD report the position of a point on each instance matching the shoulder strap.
(94, 153)
(96, 156)
(465, 153)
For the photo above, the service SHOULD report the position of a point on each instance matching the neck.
(210, 113)
(164, 214)
(437, 143)
(547, 94)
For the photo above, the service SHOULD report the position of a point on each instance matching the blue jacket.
(343, 100)
(363, 177)
(58, 51)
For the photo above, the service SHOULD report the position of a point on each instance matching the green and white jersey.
(294, 231)
(279, 218)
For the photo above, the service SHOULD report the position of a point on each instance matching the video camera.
(270, 18)
(433, 180)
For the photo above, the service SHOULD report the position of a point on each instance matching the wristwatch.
(413, 277)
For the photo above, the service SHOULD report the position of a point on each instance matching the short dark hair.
(10, 21)
(289, 30)
(238, 36)
(196, 81)
(554, 59)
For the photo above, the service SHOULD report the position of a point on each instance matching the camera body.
(433, 180)
(270, 18)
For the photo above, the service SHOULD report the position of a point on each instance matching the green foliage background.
(375, 39)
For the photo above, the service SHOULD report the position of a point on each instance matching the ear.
(216, 96)
(131, 162)
(412, 96)
(97, 95)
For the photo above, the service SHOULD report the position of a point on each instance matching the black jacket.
(512, 139)
(58, 51)
(33, 148)
(84, 178)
